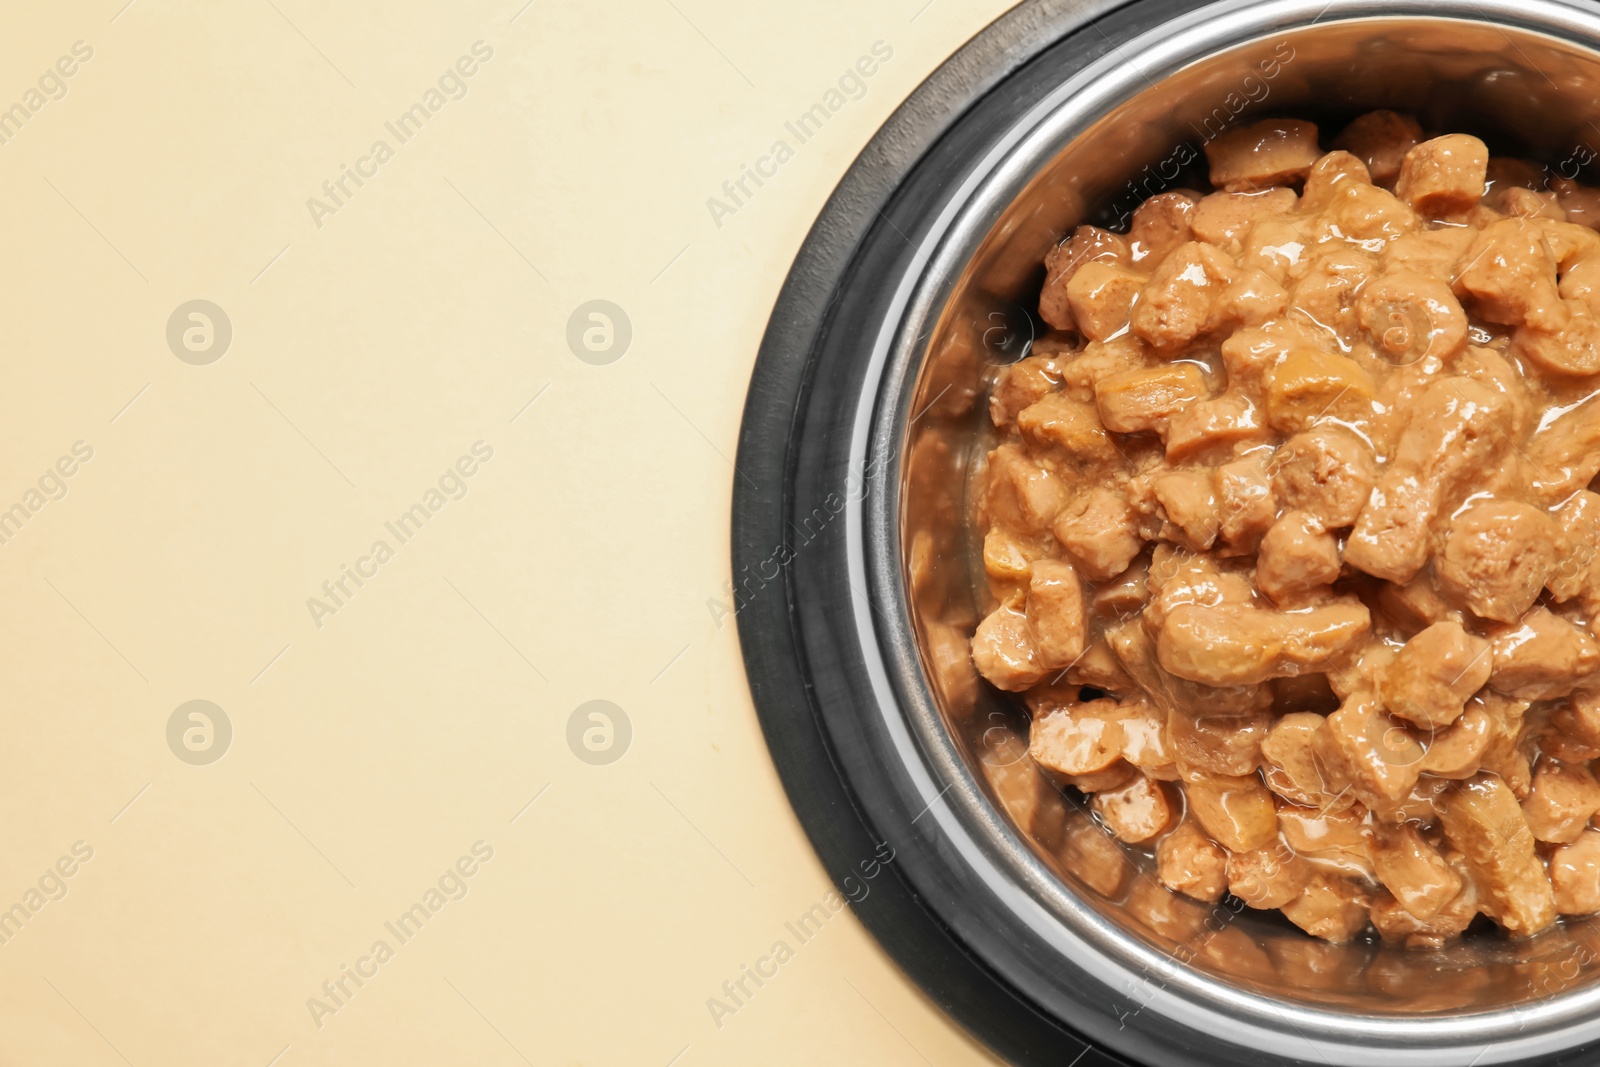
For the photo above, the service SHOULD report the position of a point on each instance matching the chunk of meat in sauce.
(1136, 812)
(1266, 153)
(1430, 680)
(1235, 645)
(1363, 746)
(1381, 139)
(1077, 738)
(1189, 862)
(1481, 817)
(1296, 556)
(1142, 401)
(1003, 649)
(1326, 472)
(1237, 812)
(1334, 909)
(1311, 384)
(1268, 877)
(1100, 531)
(1542, 657)
(1563, 799)
(1056, 613)
(1449, 437)
(1088, 244)
(1576, 574)
(1073, 427)
(1443, 175)
(1575, 875)
(1497, 557)
(1289, 763)
(1101, 295)
(1411, 868)
(1022, 493)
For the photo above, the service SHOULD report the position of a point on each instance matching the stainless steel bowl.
(1526, 77)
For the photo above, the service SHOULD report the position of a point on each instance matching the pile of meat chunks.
(1289, 535)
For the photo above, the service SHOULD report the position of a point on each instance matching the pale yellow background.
(367, 356)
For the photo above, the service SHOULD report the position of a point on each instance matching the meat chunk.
(1331, 177)
(1223, 219)
(1289, 762)
(1269, 152)
(1094, 858)
(1511, 275)
(1413, 870)
(1003, 649)
(1578, 718)
(1245, 503)
(1311, 384)
(1077, 738)
(1189, 504)
(1336, 840)
(1431, 679)
(1394, 923)
(1297, 555)
(1235, 645)
(1380, 139)
(1101, 295)
(1023, 383)
(1449, 436)
(1482, 819)
(1146, 743)
(1227, 745)
(1361, 745)
(1334, 909)
(1458, 750)
(1022, 493)
(1141, 401)
(1136, 812)
(1575, 875)
(1411, 316)
(1443, 175)
(1326, 472)
(1008, 558)
(1565, 453)
(1497, 557)
(1576, 574)
(1226, 422)
(1563, 799)
(1073, 427)
(1089, 244)
(1056, 613)
(1189, 862)
(1237, 812)
(1100, 531)
(1160, 224)
(1268, 877)
(1185, 297)
(1542, 658)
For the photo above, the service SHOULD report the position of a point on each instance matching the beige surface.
(422, 716)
